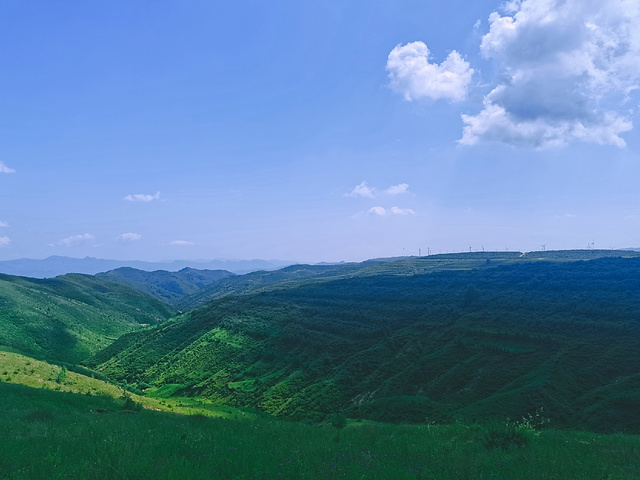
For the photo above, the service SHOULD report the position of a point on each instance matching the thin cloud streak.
(75, 240)
(140, 197)
(5, 169)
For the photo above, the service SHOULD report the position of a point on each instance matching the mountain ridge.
(56, 265)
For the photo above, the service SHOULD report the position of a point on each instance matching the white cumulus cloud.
(140, 197)
(180, 243)
(412, 75)
(567, 69)
(129, 237)
(402, 211)
(362, 190)
(5, 169)
(75, 240)
(5, 241)
(381, 211)
(397, 189)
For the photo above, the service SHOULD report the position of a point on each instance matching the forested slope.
(486, 343)
(69, 318)
(170, 287)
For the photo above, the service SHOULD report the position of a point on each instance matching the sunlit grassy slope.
(69, 318)
(412, 341)
(18, 369)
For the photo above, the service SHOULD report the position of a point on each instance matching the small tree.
(129, 404)
(339, 421)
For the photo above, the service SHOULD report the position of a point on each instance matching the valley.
(497, 355)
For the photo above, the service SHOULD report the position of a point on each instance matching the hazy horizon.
(317, 132)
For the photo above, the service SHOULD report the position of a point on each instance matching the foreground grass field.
(61, 435)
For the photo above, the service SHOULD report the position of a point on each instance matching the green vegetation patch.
(70, 318)
(480, 343)
(57, 435)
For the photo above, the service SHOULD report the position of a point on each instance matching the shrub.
(504, 437)
(532, 422)
(339, 420)
(40, 415)
(129, 404)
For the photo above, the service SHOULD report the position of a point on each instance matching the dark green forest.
(410, 343)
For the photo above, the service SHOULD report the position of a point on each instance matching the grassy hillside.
(297, 275)
(71, 317)
(59, 435)
(170, 287)
(18, 369)
(478, 344)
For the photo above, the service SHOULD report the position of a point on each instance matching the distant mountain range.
(59, 265)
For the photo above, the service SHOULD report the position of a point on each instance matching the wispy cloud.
(75, 240)
(397, 189)
(3, 224)
(5, 241)
(129, 237)
(363, 190)
(141, 197)
(568, 68)
(5, 169)
(180, 243)
(381, 211)
(402, 211)
(411, 74)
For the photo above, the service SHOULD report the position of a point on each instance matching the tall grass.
(57, 435)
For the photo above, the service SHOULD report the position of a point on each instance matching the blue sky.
(317, 131)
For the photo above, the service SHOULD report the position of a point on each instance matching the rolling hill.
(296, 275)
(170, 287)
(71, 317)
(411, 341)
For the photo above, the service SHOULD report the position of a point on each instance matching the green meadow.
(60, 435)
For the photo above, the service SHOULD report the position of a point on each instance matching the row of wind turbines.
(590, 246)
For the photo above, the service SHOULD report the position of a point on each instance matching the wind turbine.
(544, 247)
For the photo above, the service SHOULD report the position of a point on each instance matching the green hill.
(71, 317)
(296, 275)
(170, 287)
(477, 338)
